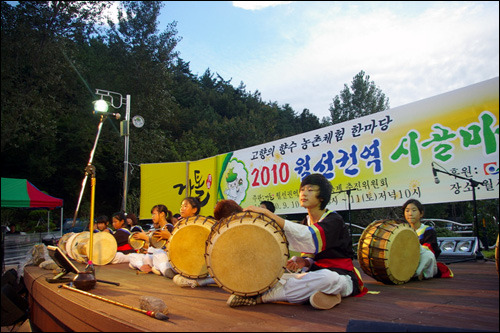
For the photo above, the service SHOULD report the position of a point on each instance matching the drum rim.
(65, 241)
(194, 219)
(68, 245)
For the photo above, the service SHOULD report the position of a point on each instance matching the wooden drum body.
(389, 251)
(246, 253)
(186, 246)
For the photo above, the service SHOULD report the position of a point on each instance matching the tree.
(308, 121)
(362, 99)
(38, 82)
(56, 53)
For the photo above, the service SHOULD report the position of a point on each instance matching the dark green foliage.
(56, 54)
(361, 99)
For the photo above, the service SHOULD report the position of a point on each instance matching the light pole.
(124, 131)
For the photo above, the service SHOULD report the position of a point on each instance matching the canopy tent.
(21, 193)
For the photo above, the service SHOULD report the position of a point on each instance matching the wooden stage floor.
(467, 302)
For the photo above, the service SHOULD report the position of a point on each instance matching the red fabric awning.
(22, 194)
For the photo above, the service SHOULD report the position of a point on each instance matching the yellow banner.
(202, 177)
(433, 150)
(165, 183)
(161, 184)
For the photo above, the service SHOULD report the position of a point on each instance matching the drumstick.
(157, 315)
(108, 282)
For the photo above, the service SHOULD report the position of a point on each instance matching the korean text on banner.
(384, 158)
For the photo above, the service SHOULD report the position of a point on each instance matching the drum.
(246, 253)
(78, 244)
(69, 243)
(389, 251)
(186, 246)
(155, 242)
(103, 251)
(136, 244)
(63, 240)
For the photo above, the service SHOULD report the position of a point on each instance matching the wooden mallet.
(157, 315)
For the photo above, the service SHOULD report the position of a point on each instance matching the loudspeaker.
(378, 326)
(14, 307)
(10, 277)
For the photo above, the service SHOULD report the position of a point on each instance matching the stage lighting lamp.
(464, 246)
(101, 106)
(448, 246)
(453, 248)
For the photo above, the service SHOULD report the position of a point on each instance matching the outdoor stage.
(467, 302)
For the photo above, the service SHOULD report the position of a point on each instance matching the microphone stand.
(349, 206)
(92, 152)
(474, 184)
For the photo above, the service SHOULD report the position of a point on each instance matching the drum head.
(389, 251)
(404, 255)
(104, 249)
(247, 254)
(186, 246)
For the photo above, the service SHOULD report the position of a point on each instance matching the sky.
(302, 53)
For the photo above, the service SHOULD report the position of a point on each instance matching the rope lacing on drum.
(378, 237)
(242, 217)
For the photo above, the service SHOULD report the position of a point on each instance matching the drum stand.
(473, 183)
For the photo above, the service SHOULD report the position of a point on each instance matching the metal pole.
(125, 159)
(84, 182)
(62, 221)
(479, 254)
(91, 171)
(349, 212)
(188, 188)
